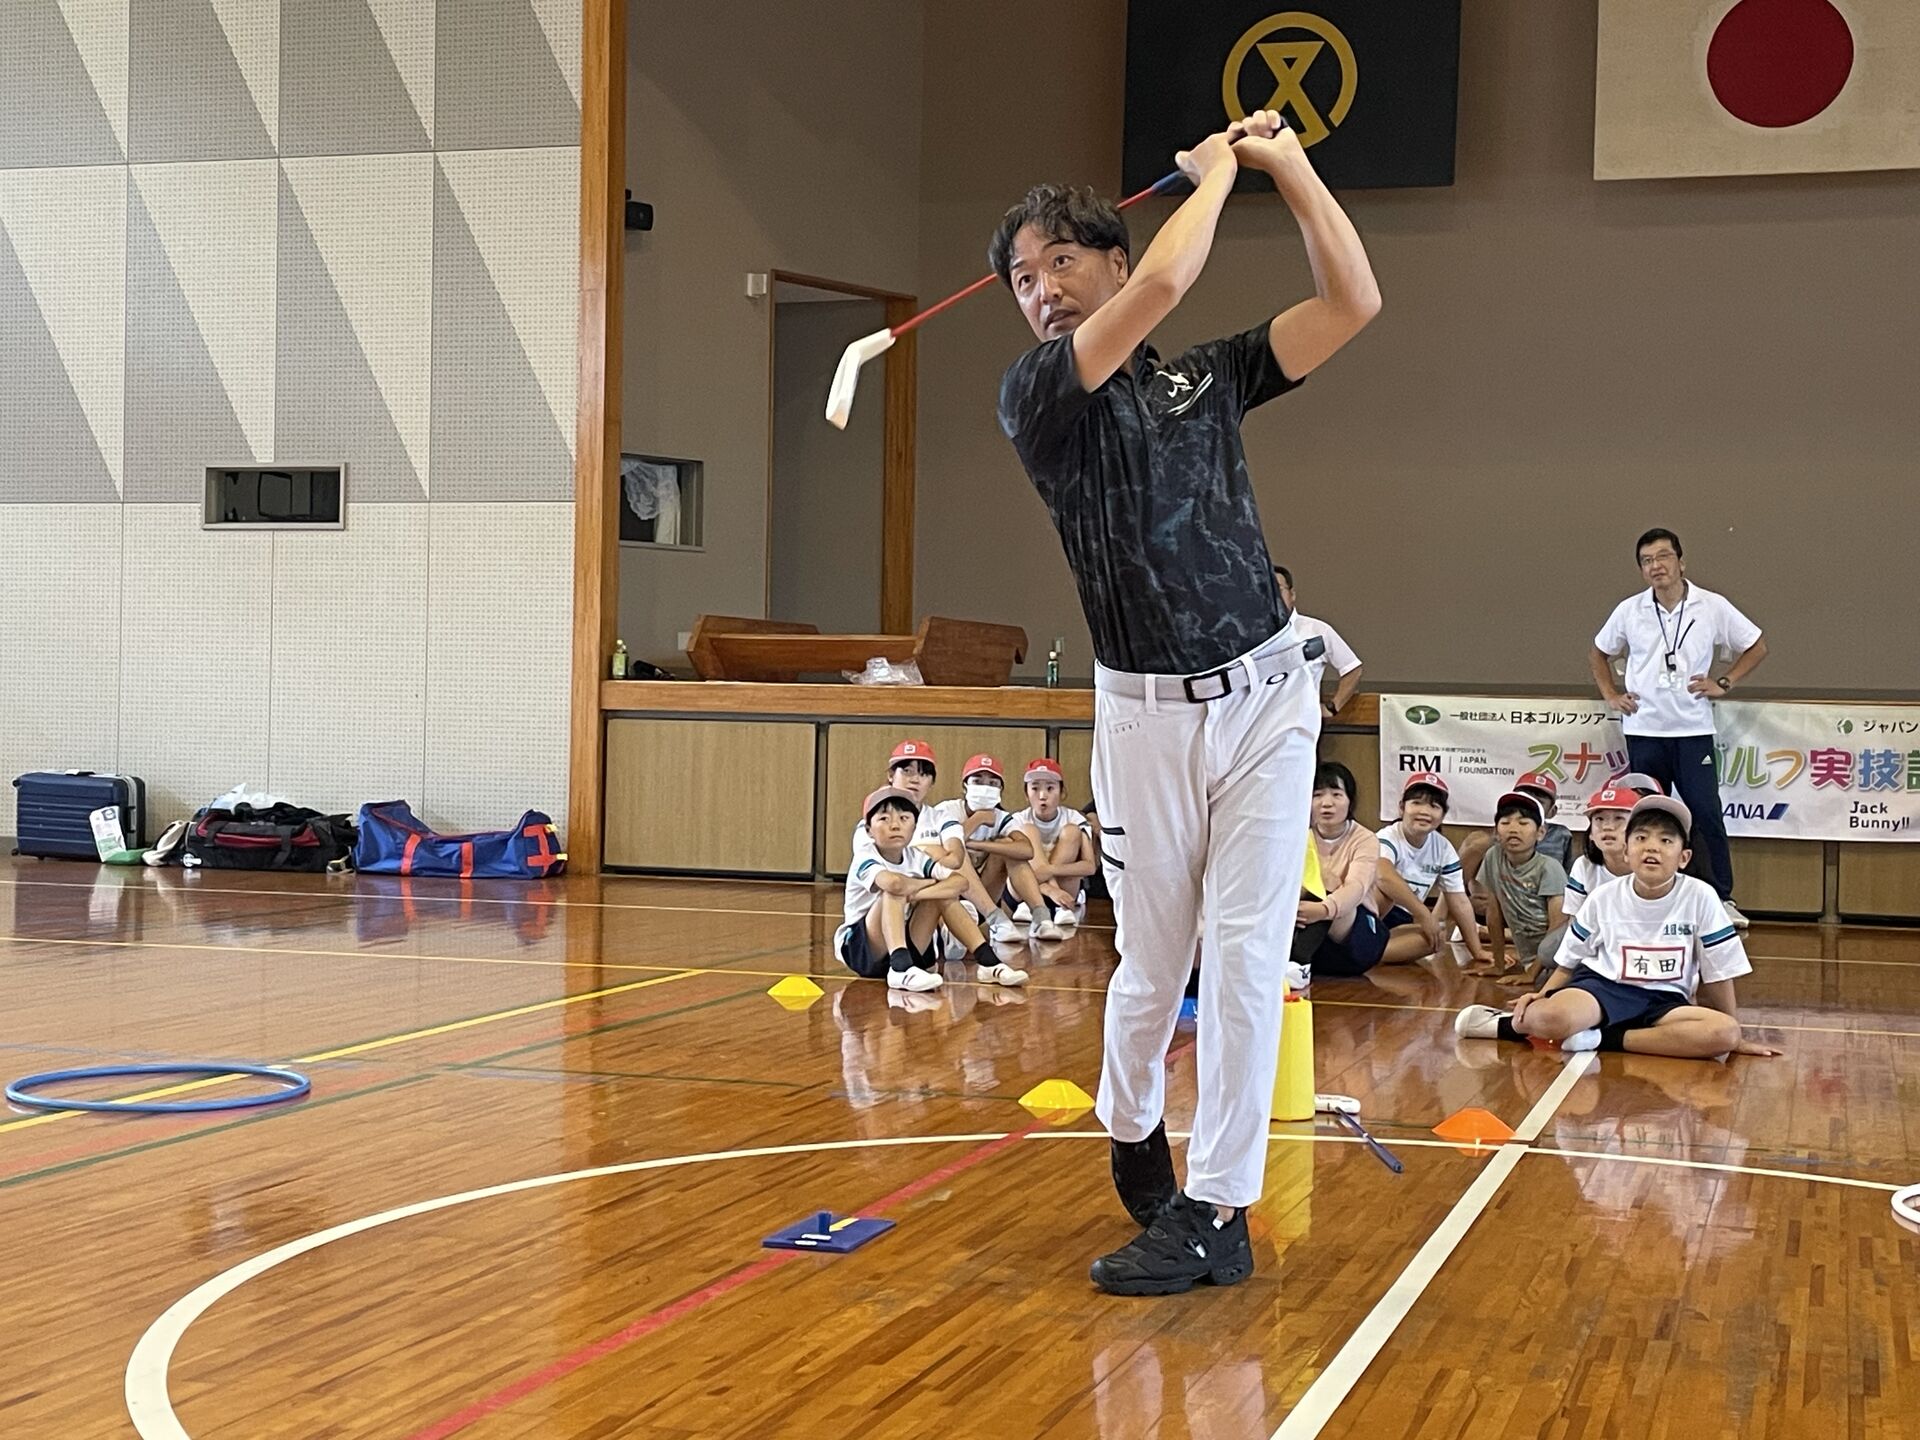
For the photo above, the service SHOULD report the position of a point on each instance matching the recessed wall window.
(660, 502)
(276, 497)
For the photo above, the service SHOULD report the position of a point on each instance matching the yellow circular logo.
(1288, 56)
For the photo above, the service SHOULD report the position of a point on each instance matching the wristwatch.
(1724, 683)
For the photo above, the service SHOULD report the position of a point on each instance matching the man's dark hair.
(1657, 533)
(1075, 214)
(1285, 574)
(1659, 820)
(1332, 775)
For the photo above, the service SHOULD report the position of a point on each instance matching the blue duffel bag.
(393, 841)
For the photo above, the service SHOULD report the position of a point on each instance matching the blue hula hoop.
(19, 1092)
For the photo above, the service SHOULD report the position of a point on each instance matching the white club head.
(846, 375)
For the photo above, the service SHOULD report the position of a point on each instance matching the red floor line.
(686, 1305)
(658, 1319)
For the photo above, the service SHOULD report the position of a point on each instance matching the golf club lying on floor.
(846, 375)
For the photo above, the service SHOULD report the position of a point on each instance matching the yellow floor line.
(772, 975)
(365, 1046)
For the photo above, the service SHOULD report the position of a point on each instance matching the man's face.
(1059, 283)
(1661, 564)
(1286, 591)
(1044, 797)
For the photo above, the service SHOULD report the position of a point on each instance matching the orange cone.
(1474, 1127)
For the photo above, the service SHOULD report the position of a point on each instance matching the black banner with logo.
(1370, 86)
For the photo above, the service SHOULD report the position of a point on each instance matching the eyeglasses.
(1646, 560)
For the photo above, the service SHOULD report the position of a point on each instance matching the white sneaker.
(1002, 974)
(913, 979)
(1048, 930)
(1299, 976)
(1582, 1040)
(1740, 922)
(1000, 928)
(954, 948)
(1067, 920)
(1023, 914)
(1479, 1022)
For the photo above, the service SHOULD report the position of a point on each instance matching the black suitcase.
(53, 812)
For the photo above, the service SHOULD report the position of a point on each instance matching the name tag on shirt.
(1653, 964)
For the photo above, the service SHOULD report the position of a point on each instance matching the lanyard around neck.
(1660, 616)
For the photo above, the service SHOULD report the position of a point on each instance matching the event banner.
(1787, 770)
(1370, 88)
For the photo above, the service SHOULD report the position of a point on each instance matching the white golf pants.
(1203, 813)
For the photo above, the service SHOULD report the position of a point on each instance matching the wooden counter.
(732, 778)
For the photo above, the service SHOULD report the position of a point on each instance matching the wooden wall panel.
(730, 795)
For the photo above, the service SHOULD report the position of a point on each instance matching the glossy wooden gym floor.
(1672, 1257)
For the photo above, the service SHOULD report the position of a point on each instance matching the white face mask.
(982, 796)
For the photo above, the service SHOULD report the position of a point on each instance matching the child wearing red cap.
(910, 768)
(1524, 888)
(1063, 854)
(1602, 858)
(1556, 841)
(1416, 861)
(974, 836)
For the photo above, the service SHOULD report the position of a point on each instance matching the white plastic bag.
(882, 671)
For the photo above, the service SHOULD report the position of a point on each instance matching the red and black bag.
(284, 837)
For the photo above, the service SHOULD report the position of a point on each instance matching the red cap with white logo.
(910, 750)
(1045, 769)
(984, 765)
(1538, 780)
(1426, 778)
(1611, 797)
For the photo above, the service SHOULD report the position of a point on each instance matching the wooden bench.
(948, 652)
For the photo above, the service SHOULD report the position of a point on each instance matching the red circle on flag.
(1779, 63)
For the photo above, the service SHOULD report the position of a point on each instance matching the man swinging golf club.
(1205, 716)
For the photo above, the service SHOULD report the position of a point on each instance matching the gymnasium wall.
(767, 137)
(316, 231)
(1560, 364)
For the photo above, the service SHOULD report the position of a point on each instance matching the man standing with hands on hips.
(1205, 716)
(1669, 636)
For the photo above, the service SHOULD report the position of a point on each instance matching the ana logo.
(1289, 45)
(1422, 714)
(1743, 810)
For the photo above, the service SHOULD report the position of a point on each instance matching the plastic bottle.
(1053, 661)
(619, 659)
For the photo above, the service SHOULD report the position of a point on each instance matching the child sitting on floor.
(1063, 857)
(1645, 948)
(1524, 888)
(896, 899)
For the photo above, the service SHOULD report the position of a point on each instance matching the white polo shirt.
(1645, 631)
(1339, 656)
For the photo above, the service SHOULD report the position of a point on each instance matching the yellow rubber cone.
(796, 992)
(1057, 1101)
(1293, 1080)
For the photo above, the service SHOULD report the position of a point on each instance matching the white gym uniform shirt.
(1672, 943)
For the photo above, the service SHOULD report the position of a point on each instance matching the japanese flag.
(1756, 87)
